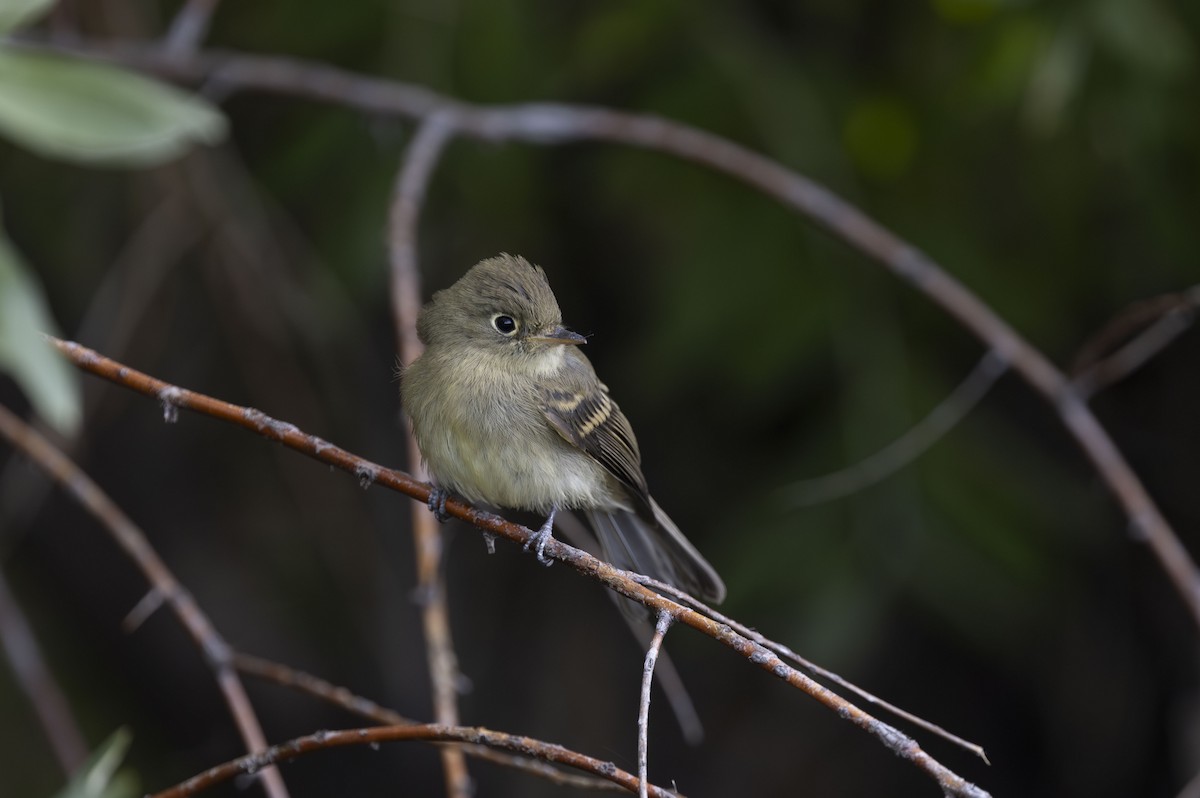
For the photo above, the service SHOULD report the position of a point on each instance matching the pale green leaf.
(51, 385)
(15, 13)
(98, 778)
(98, 114)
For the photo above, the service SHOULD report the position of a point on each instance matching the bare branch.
(621, 581)
(433, 732)
(363, 707)
(811, 667)
(660, 631)
(133, 542)
(407, 197)
(550, 123)
(1132, 339)
(189, 27)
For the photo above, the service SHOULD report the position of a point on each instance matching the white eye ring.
(505, 324)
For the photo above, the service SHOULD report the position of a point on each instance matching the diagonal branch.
(173, 397)
(163, 584)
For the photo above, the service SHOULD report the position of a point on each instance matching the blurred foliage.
(101, 777)
(1046, 153)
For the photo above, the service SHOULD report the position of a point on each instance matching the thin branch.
(189, 27)
(550, 123)
(173, 397)
(133, 542)
(433, 732)
(300, 681)
(407, 198)
(905, 449)
(1142, 331)
(29, 667)
(665, 619)
(811, 667)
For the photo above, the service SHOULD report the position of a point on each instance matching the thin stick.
(300, 681)
(407, 198)
(367, 472)
(189, 27)
(29, 667)
(526, 746)
(665, 619)
(905, 449)
(811, 667)
(1162, 319)
(133, 542)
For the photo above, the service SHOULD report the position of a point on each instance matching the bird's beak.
(560, 335)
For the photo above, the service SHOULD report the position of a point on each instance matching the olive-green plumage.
(507, 411)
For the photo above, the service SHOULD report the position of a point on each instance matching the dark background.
(1048, 154)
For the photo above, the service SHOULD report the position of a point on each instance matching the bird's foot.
(437, 503)
(541, 538)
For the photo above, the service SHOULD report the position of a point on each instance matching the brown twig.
(133, 542)
(173, 397)
(665, 619)
(363, 707)
(811, 667)
(526, 746)
(25, 659)
(550, 123)
(407, 198)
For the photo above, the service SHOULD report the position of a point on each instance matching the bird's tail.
(658, 549)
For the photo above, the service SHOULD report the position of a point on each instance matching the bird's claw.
(540, 538)
(437, 504)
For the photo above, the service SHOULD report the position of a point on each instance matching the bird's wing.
(583, 413)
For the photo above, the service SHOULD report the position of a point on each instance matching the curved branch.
(173, 397)
(300, 681)
(550, 123)
(908, 447)
(253, 763)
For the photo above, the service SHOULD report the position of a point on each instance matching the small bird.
(507, 411)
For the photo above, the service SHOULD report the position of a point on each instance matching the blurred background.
(1047, 154)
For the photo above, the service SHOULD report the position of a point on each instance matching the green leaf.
(98, 778)
(98, 114)
(15, 13)
(51, 385)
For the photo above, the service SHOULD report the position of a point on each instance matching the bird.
(507, 411)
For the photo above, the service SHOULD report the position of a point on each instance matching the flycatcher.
(507, 411)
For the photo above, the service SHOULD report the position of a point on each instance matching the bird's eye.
(504, 324)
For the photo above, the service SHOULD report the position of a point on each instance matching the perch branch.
(173, 397)
(133, 541)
